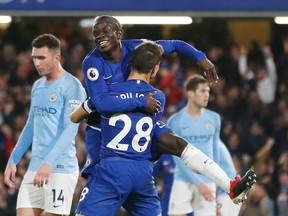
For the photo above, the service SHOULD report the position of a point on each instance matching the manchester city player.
(164, 168)
(224, 203)
(200, 126)
(52, 175)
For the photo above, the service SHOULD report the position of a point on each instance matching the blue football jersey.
(100, 73)
(129, 134)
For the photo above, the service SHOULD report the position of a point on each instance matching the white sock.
(200, 163)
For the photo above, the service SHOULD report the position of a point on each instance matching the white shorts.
(186, 197)
(55, 197)
(226, 205)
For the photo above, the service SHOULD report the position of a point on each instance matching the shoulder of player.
(175, 117)
(132, 43)
(39, 82)
(93, 55)
(211, 113)
(68, 77)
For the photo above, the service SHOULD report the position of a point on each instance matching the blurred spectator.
(8, 63)
(254, 139)
(6, 144)
(282, 198)
(3, 196)
(282, 61)
(259, 70)
(74, 59)
(258, 203)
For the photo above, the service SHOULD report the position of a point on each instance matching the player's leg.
(105, 191)
(30, 200)
(226, 206)
(201, 206)
(29, 212)
(59, 193)
(181, 197)
(171, 143)
(143, 200)
(93, 145)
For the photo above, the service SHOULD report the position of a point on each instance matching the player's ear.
(58, 57)
(120, 34)
(190, 93)
(155, 70)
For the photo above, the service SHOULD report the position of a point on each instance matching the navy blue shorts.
(120, 182)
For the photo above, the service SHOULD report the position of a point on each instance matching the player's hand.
(153, 105)
(208, 70)
(9, 175)
(42, 175)
(206, 192)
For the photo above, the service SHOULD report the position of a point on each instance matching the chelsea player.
(52, 175)
(109, 63)
(124, 177)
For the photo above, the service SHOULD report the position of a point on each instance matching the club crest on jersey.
(208, 126)
(92, 74)
(53, 97)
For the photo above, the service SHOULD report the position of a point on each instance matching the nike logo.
(206, 161)
(56, 206)
(160, 125)
(104, 77)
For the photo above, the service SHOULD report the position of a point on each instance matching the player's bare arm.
(42, 175)
(153, 105)
(208, 70)
(78, 114)
(9, 175)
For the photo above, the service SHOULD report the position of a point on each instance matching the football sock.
(200, 163)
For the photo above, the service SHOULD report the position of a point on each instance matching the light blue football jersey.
(48, 127)
(226, 163)
(202, 132)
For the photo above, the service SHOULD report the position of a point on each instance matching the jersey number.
(58, 195)
(115, 143)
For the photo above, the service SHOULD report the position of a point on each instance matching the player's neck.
(193, 110)
(113, 56)
(136, 76)
(55, 75)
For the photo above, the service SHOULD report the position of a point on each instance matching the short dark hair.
(109, 19)
(146, 56)
(191, 84)
(49, 40)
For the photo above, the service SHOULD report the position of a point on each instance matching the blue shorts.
(120, 182)
(93, 145)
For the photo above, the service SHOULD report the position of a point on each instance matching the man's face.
(200, 96)
(44, 60)
(106, 37)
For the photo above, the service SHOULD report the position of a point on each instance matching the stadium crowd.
(251, 96)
